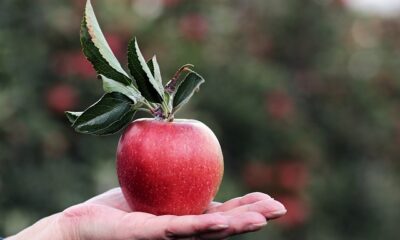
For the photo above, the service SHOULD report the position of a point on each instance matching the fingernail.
(276, 214)
(278, 204)
(255, 226)
(281, 208)
(279, 212)
(218, 227)
(260, 224)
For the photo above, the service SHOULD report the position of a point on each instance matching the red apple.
(279, 105)
(194, 27)
(116, 43)
(292, 175)
(61, 97)
(297, 211)
(171, 3)
(257, 175)
(73, 64)
(169, 167)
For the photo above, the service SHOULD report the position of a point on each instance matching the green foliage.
(117, 112)
(97, 50)
(72, 116)
(150, 88)
(130, 91)
(186, 89)
(107, 116)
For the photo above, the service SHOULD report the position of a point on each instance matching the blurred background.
(303, 95)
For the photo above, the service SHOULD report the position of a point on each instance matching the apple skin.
(169, 168)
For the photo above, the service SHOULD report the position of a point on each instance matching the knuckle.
(168, 235)
(169, 231)
(173, 229)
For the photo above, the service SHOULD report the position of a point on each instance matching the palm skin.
(108, 217)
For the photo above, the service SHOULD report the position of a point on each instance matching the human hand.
(108, 217)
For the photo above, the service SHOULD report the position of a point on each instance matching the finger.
(269, 208)
(236, 202)
(239, 223)
(213, 205)
(181, 226)
(112, 198)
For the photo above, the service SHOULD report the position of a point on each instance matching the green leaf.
(151, 65)
(97, 50)
(186, 89)
(149, 87)
(130, 91)
(107, 116)
(155, 70)
(72, 116)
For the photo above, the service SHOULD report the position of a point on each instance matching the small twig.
(171, 85)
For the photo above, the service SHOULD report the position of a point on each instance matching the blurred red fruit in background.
(257, 175)
(78, 5)
(279, 105)
(297, 211)
(75, 64)
(292, 175)
(340, 3)
(308, 82)
(116, 43)
(259, 46)
(171, 3)
(61, 98)
(193, 27)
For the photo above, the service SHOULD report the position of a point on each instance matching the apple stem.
(164, 110)
(158, 113)
(167, 112)
(170, 119)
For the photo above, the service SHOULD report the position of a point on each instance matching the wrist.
(46, 229)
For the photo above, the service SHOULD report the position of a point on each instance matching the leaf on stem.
(155, 69)
(107, 116)
(97, 50)
(186, 89)
(72, 116)
(150, 88)
(130, 91)
(151, 65)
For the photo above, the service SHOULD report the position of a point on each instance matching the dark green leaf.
(107, 116)
(151, 65)
(149, 87)
(97, 50)
(186, 89)
(130, 91)
(156, 70)
(72, 116)
(117, 125)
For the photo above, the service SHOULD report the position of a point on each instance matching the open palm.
(108, 217)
